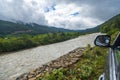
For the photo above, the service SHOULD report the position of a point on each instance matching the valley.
(16, 63)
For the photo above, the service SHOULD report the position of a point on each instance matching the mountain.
(7, 27)
(12, 28)
(90, 30)
(112, 25)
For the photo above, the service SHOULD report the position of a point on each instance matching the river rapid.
(14, 64)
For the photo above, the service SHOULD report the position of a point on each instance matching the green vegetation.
(17, 36)
(111, 26)
(12, 28)
(13, 43)
(18, 28)
(89, 67)
(91, 30)
(91, 64)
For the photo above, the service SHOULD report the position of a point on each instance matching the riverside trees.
(13, 43)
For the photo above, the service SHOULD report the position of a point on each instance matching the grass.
(89, 67)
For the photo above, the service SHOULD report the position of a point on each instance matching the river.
(16, 63)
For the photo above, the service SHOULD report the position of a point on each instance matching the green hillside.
(32, 34)
(14, 43)
(7, 27)
(112, 25)
(11, 28)
(91, 63)
(91, 30)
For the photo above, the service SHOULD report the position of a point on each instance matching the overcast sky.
(69, 14)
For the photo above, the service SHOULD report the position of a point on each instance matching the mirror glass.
(102, 40)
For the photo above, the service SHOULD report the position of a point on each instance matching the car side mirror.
(102, 40)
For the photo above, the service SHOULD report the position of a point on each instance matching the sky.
(68, 14)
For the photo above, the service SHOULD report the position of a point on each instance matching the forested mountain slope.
(12, 28)
(112, 25)
(7, 27)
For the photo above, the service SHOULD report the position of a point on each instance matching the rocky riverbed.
(14, 64)
(63, 61)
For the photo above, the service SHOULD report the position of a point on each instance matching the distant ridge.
(7, 27)
(15, 28)
(112, 25)
(90, 30)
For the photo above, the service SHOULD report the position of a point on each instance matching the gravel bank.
(63, 61)
(14, 64)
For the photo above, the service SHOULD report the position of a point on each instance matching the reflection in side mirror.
(102, 40)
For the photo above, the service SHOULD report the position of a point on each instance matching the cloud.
(22, 10)
(102, 9)
(50, 8)
(69, 14)
(75, 13)
(71, 17)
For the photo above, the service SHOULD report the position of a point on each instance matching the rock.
(25, 77)
(30, 76)
(64, 61)
(32, 79)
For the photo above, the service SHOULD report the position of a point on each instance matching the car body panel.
(112, 63)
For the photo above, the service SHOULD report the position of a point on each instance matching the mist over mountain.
(18, 27)
(7, 27)
(68, 14)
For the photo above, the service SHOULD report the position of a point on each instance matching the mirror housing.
(102, 41)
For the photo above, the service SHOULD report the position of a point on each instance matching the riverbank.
(63, 61)
(16, 63)
(79, 64)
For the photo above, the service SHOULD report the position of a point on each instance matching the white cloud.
(22, 10)
(70, 14)
(62, 17)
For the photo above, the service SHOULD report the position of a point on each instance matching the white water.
(17, 63)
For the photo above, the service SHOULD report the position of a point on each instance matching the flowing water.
(16, 63)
